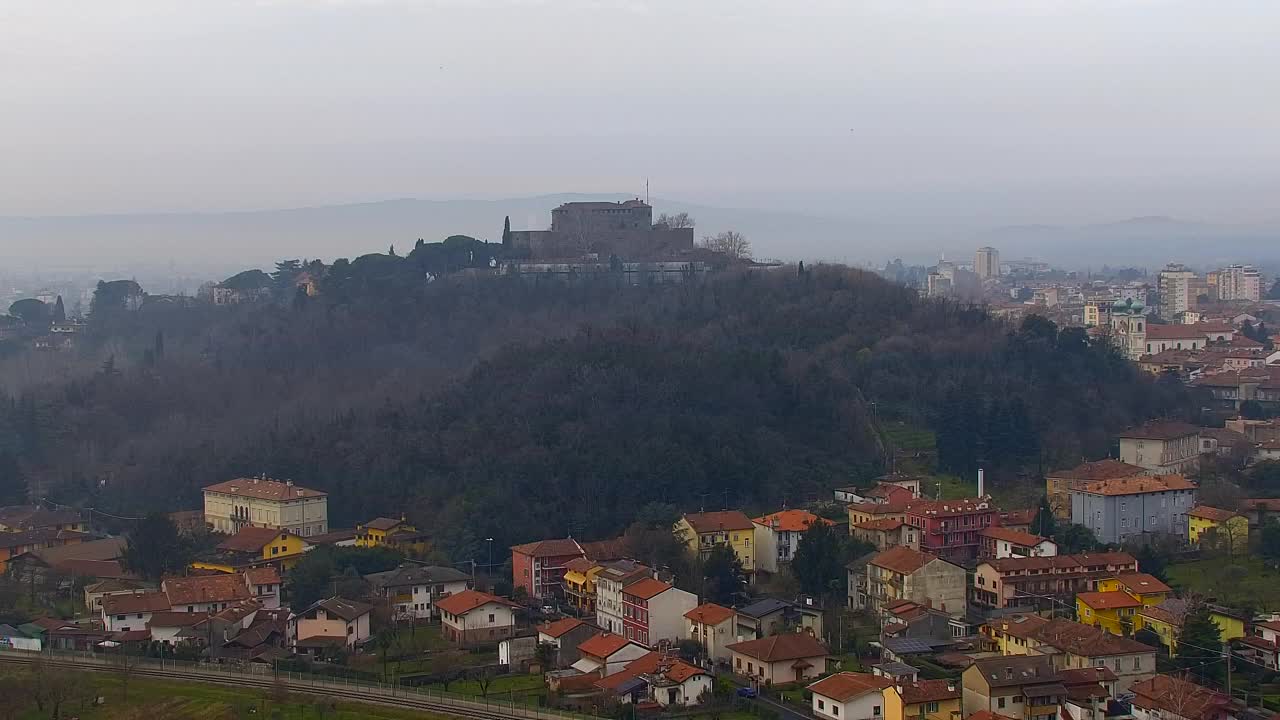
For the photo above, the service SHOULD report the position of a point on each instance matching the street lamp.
(489, 567)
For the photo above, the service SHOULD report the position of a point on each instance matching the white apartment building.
(261, 502)
(1240, 282)
(986, 263)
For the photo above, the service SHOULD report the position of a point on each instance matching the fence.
(245, 674)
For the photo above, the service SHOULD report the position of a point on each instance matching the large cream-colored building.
(986, 263)
(262, 502)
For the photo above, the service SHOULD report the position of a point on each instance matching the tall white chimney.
(980, 494)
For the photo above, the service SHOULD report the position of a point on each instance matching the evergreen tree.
(1152, 561)
(1045, 524)
(1200, 644)
(1074, 539)
(156, 548)
(819, 560)
(1269, 540)
(13, 485)
(59, 311)
(506, 232)
(726, 579)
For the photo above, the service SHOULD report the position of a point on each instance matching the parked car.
(746, 692)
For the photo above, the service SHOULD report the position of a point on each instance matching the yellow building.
(377, 531)
(1222, 528)
(254, 546)
(261, 502)
(702, 532)
(1015, 634)
(1112, 610)
(1146, 589)
(580, 583)
(1165, 620)
(923, 700)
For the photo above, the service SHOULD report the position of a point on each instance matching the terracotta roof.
(611, 549)
(1160, 430)
(646, 588)
(1025, 516)
(1020, 625)
(333, 536)
(1017, 537)
(1175, 332)
(169, 618)
(987, 715)
(602, 645)
(267, 575)
(558, 547)
(1172, 611)
(653, 663)
(382, 523)
(105, 549)
(250, 539)
(1268, 504)
(1099, 470)
(141, 602)
(1079, 676)
(347, 609)
(468, 600)
(902, 559)
(929, 691)
(264, 489)
(580, 565)
(128, 636)
(92, 568)
(1143, 583)
(560, 627)
(793, 520)
(1087, 641)
(845, 686)
(679, 671)
(719, 521)
(1212, 513)
(1139, 485)
(1108, 600)
(774, 648)
(881, 525)
(709, 614)
(895, 506)
(207, 588)
(1179, 697)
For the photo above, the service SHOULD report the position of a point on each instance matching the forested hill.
(491, 409)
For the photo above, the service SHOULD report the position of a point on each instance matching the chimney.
(980, 482)
(951, 685)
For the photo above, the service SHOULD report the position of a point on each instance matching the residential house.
(1168, 698)
(606, 654)
(123, 613)
(664, 679)
(867, 511)
(472, 617)
(580, 584)
(95, 591)
(701, 532)
(413, 590)
(910, 483)
(1112, 611)
(18, 518)
(901, 573)
(923, 700)
(778, 659)
(1165, 620)
(376, 531)
(712, 626)
(1145, 588)
(333, 622)
(11, 638)
(42, 570)
(1090, 694)
(539, 567)
(611, 580)
(1262, 647)
(1059, 483)
(264, 585)
(950, 529)
(1214, 527)
(1163, 447)
(1021, 520)
(1001, 542)
(205, 593)
(254, 546)
(787, 527)
(1260, 511)
(772, 616)
(259, 501)
(1026, 687)
(18, 542)
(1044, 582)
(173, 628)
(653, 611)
(1125, 508)
(565, 635)
(849, 696)
(1073, 645)
(886, 533)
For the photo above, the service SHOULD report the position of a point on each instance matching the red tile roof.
(781, 647)
(1175, 332)
(1160, 430)
(603, 645)
(1143, 583)
(168, 618)
(1212, 513)
(142, 602)
(1099, 470)
(719, 521)
(881, 525)
(792, 520)
(1108, 600)
(902, 559)
(929, 691)
(1087, 641)
(468, 600)
(845, 686)
(1017, 537)
(948, 508)
(709, 614)
(559, 547)
(383, 523)
(1179, 697)
(264, 489)
(1139, 485)
(267, 575)
(559, 627)
(250, 539)
(204, 589)
(646, 588)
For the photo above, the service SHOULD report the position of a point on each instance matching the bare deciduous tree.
(677, 221)
(730, 242)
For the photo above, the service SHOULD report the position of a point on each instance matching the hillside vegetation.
(493, 409)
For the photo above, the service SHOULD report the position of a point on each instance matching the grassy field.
(499, 688)
(157, 700)
(1246, 582)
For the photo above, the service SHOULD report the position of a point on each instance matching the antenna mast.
(646, 191)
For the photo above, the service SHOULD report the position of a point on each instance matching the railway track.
(401, 698)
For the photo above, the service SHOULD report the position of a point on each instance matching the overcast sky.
(1027, 109)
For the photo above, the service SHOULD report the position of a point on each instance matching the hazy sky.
(1048, 109)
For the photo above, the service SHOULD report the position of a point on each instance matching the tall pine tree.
(1200, 644)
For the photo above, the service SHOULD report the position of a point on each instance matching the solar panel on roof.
(908, 645)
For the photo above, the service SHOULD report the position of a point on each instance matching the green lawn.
(1246, 582)
(155, 699)
(520, 684)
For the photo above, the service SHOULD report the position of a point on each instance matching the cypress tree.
(506, 231)
(59, 311)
